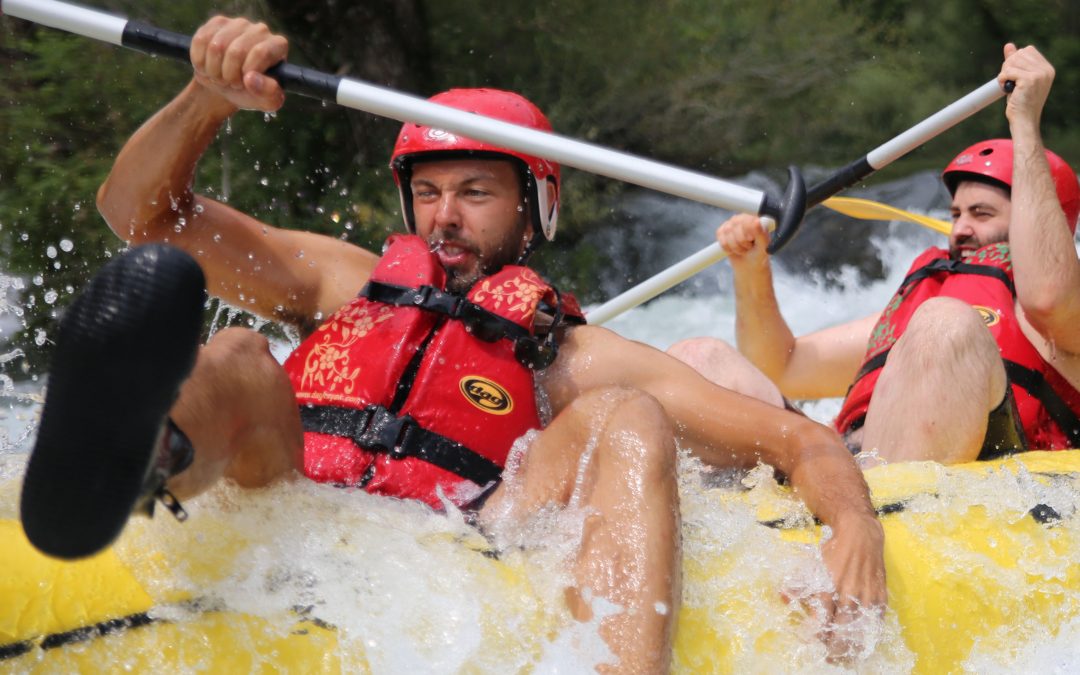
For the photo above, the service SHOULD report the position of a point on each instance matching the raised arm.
(1045, 264)
(282, 274)
(726, 429)
(818, 365)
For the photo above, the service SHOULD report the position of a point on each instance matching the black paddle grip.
(305, 81)
(153, 40)
(839, 180)
(789, 212)
(295, 79)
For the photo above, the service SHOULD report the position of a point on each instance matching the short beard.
(507, 254)
(954, 251)
(460, 283)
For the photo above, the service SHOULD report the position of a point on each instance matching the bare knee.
(622, 402)
(703, 352)
(949, 338)
(722, 364)
(237, 346)
(635, 431)
(235, 377)
(240, 356)
(948, 323)
(239, 410)
(947, 330)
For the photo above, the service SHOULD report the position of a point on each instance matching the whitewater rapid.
(365, 562)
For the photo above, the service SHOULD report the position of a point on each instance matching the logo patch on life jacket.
(989, 316)
(486, 395)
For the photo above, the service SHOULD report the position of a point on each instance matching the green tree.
(68, 105)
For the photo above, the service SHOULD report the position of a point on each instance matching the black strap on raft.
(530, 351)
(377, 429)
(1035, 384)
(957, 267)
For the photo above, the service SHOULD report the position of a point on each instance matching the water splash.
(406, 589)
(19, 402)
(413, 591)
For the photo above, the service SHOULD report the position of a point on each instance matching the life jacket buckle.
(437, 300)
(386, 432)
(536, 354)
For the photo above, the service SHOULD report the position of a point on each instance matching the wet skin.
(472, 214)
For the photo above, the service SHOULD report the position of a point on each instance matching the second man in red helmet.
(977, 354)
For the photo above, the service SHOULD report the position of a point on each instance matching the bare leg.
(611, 452)
(722, 364)
(239, 411)
(942, 379)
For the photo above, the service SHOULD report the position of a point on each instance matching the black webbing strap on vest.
(535, 353)
(483, 324)
(1031, 381)
(377, 429)
(873, 364)
(1035, 384)
(957, 267)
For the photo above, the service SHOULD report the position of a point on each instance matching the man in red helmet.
(977, 354)
(419, 387)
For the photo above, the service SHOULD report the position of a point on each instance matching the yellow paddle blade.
(864, 209)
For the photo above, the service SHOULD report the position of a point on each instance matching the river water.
(407, 589)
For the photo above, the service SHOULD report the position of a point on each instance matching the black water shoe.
(105, 444)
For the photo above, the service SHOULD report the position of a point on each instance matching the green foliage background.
(723, 86)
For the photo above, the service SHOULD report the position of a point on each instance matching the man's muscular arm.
(281, 274)
(726, 429)
(818, 365)
(1045, 264)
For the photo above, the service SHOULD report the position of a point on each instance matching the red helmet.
(416, 141)
(993, 159)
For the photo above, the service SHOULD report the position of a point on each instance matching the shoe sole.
(123, 348)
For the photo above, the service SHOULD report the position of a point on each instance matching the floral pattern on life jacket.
(993, 254)
(520, 294)
(328, 365)
(884, 334)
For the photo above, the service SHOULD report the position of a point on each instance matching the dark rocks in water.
(650, 231)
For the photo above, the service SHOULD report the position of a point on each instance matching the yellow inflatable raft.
(983, 568)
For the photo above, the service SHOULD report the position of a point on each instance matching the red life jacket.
(408, 388)
(1048, 405)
